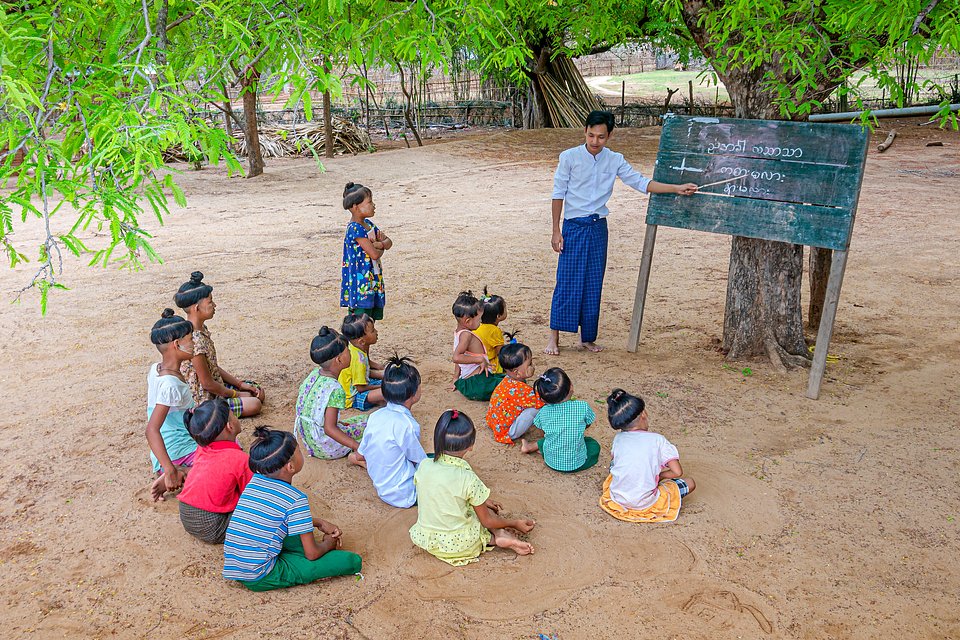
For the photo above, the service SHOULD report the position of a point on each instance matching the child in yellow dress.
(644, 484)
(493, 312)
(457, 520)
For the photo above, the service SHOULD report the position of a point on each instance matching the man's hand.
(687, 189)
(557, 241)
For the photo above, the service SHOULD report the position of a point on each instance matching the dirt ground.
(835, 518)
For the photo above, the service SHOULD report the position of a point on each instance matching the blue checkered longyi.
(576, 298)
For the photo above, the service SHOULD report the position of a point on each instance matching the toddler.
(514, 403)
(563, 421)
(474, 378)
(494, 311)
(362, 392)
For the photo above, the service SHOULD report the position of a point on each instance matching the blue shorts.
(684, 489)
(360, 400)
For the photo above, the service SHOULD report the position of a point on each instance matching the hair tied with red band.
(456, 414)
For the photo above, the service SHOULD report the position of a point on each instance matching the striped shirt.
(269, 510)
(563, 425)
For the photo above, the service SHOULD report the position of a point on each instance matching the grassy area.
(654, 84)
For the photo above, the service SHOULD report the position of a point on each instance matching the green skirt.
(478, 386)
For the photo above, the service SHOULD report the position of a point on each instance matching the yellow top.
(447, 526)
(355, 374)
(492, 337)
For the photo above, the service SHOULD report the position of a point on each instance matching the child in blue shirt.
(391, 442)
(270, 542)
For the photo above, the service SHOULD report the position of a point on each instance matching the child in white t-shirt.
(645, 483)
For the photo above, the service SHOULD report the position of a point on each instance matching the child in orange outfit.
(514, 403)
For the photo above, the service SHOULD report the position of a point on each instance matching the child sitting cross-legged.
(363, 392)
(563, 421)
(514, 403)
(219, 474)
(318, 425)
(270, 542)
(645, 483)
(494, 311)
(391, 442)
(456, 519)
(473, 371)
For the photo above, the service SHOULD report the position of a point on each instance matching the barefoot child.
(514, 403)
(563, 421)
(644, 484)
(202, 372)
(220, 471)
(474, 378)
(494, 311)
(361, 283)
(270, 542)
(362, 393)
(320, 399)
(391, 442)
(168, 397)
(457, 520)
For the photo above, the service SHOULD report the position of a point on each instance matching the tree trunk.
(251, 132)
(327, 126)
(819, 274)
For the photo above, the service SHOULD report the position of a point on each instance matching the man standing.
(584, 183)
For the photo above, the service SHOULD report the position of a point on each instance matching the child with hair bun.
(363, 393)
(168, 398)
(474, 372)
(219, 474)
(645, 483)
(321, 397)
(493, 312)
(563, 421)
(361, 283)
(456, 519)
(270, 542)
(202, 372)
(514, 404)
(391, 442)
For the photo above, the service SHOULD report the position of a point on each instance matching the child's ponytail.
(623, 408)
(326, 345)
(271, 450)
(354, 194)
(207, 421)
(454, 433)
(553, 386)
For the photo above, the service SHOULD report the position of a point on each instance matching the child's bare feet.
(355, 458)
(528, 447)
(524, 526)
(506, 540)
(157, 489)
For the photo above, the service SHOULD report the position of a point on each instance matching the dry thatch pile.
(277, 141)
(566, 96)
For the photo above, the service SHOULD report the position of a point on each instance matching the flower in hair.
(456, 414)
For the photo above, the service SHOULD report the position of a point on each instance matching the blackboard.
(799, 182)
(787, 181)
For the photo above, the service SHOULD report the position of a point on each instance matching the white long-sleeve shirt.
(391, 446)
(585, 182)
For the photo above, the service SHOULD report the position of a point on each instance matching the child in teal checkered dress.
(563, 421)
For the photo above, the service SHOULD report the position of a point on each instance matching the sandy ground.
(828, 519)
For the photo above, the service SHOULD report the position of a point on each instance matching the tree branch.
(922, 16)
(176, 23)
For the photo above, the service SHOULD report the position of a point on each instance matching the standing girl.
(457, 520)
(563, 421)
(168, 397)
(202, 372)
(361, 283)
(644, 484)
(320, 399)
(270, 542)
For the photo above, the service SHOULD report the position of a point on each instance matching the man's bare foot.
(157, 489)
(355, 458)
(506, 540)
(528, 447)
(590, 346)
(553, 344)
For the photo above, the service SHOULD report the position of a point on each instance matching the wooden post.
(826, 323)
(623, 100)
(649, 240)
(690, 85)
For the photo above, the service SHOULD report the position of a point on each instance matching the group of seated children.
(248, 503)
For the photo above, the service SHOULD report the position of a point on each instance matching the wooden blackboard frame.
(707, 138)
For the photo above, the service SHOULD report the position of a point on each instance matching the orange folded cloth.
(665, 509)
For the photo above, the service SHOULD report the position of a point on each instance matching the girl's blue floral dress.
(361, 284)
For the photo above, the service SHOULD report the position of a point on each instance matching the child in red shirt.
(514, 403)
(220, 471)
